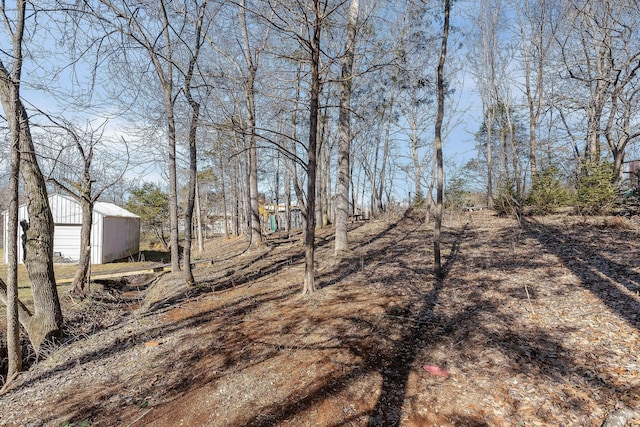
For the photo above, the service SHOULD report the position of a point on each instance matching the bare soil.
(535, 324)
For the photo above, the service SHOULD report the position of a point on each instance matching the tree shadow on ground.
(271, 262)
(395, 377)
(612, 282)
(258, 330)
(391, 359)
(255, 266)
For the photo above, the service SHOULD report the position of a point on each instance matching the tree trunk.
(193, 176)
(297, 188)
(515, 162)
(235, 196)
(438, 271)
(344, 133)
(199, 218)
(489, 165)
(225, 206)
(320, 174)
(166, 81)
(254, 208)
(322, 202)
(24, 315)
(14, 349)
(193, 147)
(417, 167)
(256, 237)
(46, 321)
(287, 201)
(81, 275)
(309, 286)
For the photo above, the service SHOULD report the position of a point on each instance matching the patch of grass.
(156, 255)
(65, 271)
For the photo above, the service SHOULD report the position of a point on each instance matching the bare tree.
(438, 142)
(536, 36)
(193, 134)
(486, 60)
(46, 321)
(303, 23)
(344, 131)
(251, 47)
(156, 37)
(600, 54)
(313, 45)
(14, 349)
(76, 176)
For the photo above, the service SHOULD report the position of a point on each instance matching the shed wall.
(122, 233)
(97, 234)
(65, 210)
(121, 238)
(65, 241)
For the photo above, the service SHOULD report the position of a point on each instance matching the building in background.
(115, 233)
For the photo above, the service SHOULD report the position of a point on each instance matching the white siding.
(119, 227)
(97, 241)
(65, 210)
(65, 241)
(5, 224)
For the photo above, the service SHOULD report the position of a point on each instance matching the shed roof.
(109, 209)
(103, 208)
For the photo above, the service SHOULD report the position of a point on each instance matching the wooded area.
(244, 118)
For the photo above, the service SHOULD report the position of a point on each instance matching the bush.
(596, 191)
(508, 201)
(548, 192)
(455, 196)
(419, 200)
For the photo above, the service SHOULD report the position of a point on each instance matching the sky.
(459, 145)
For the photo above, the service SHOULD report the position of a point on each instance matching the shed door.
(66, 241)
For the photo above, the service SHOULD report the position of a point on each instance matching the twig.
(140, 417)
(526, 289)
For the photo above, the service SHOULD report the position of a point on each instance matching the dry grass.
(63, 273)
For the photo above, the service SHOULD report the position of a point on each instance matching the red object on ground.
(436, 370)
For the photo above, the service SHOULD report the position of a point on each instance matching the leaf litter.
(532, 325)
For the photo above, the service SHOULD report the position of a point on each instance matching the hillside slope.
(531, 326)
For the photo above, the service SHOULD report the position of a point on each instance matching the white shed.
(115, 232)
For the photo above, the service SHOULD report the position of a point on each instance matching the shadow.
(391, 359)
(259, 266)
(352, 334)
(349, 265)
(369, 329)
(613, 282)
(395, 376)
(125, 341)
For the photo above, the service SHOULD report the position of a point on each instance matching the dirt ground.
(532, 325)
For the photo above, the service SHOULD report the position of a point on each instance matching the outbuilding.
(115, 233)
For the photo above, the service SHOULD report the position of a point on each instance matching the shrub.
(548, 192)
(596, 192)
(508, 201)
(455, 196)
